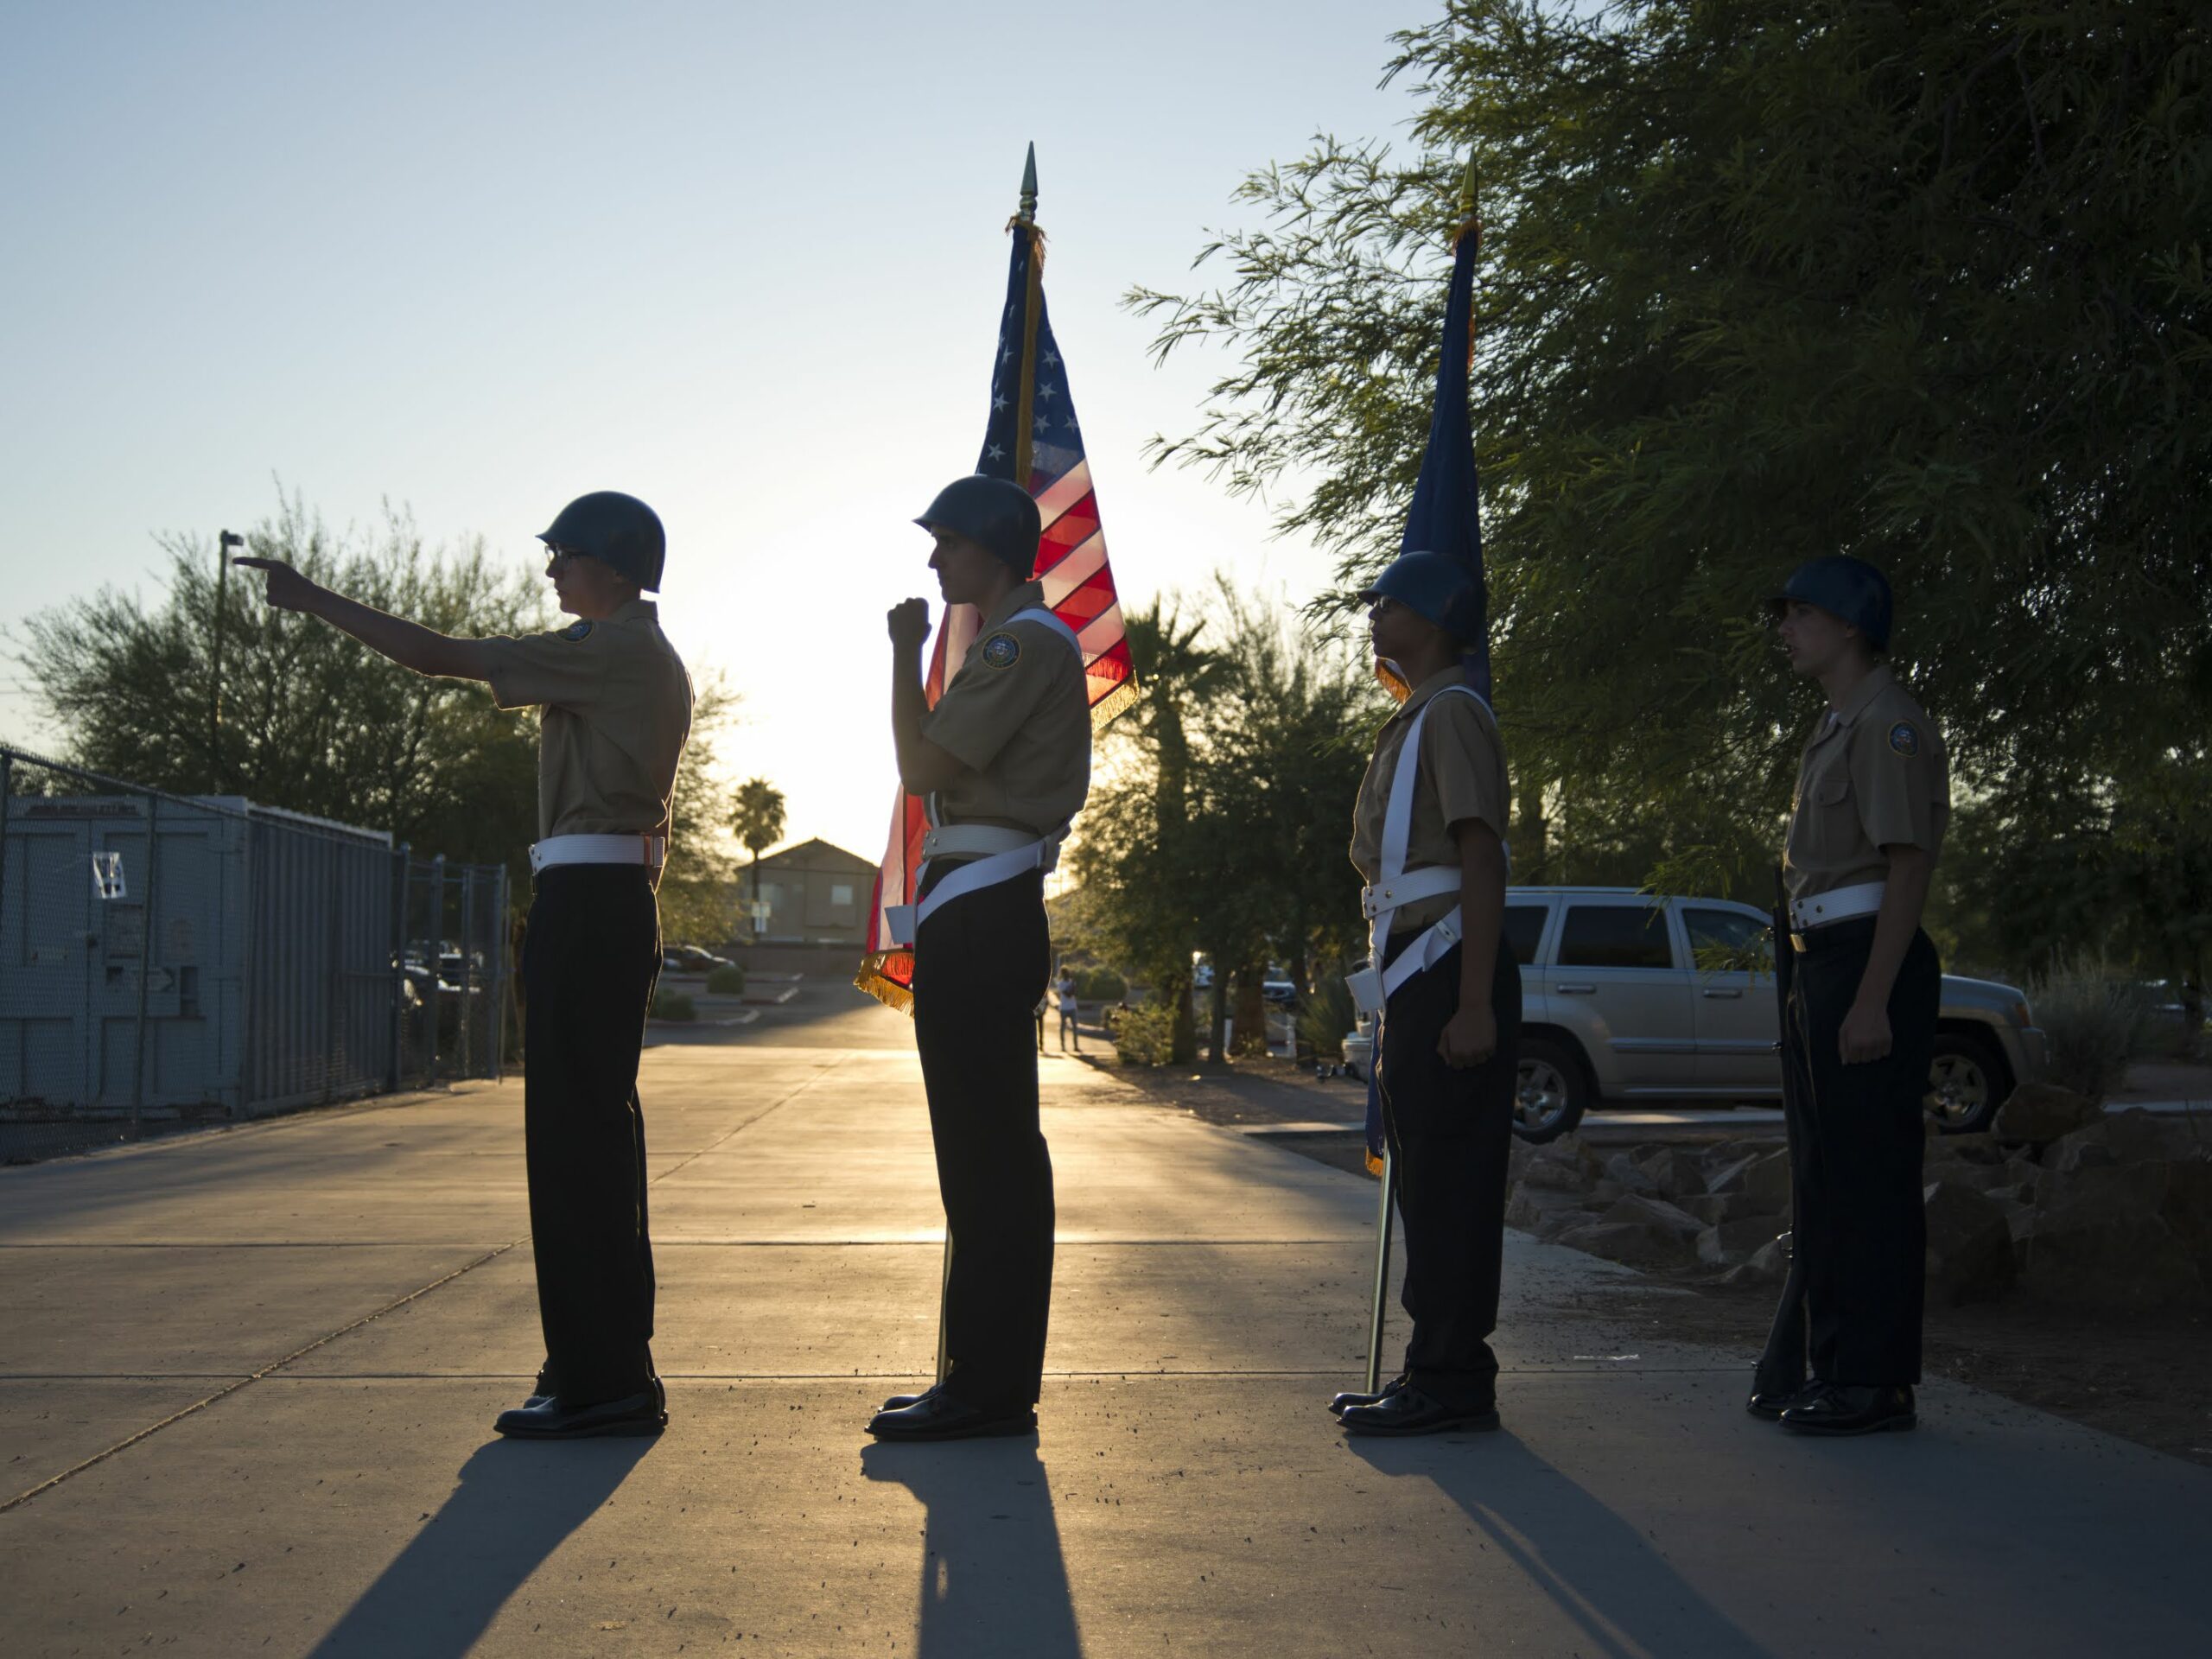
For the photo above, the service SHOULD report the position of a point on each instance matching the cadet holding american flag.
(994, 746)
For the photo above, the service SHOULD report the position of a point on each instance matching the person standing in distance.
(1428, 838)
(1003, 762)
(1071, 1009)
(617, 709)
(1873, 798)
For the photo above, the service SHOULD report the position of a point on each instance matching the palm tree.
(1178, 674)
(756, 820)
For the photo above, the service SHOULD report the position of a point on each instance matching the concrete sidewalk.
(262, 1365)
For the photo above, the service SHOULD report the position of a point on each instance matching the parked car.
(689, 959)
(1616, 1008)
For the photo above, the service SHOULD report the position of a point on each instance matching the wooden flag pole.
(1382, 1216)
(1025, 224)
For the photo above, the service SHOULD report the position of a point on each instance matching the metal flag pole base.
(944, 1294)
(1382, 1219)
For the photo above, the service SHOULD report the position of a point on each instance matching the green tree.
(1927, 284)
(700, 880)
(311, 720)
(756, 820)
(1220, 822)
(1135, 861)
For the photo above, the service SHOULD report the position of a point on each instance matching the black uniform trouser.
(1451, 1136)
(590, 958)
(1855, 1142)
(979, 965)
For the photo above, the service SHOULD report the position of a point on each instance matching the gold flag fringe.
(880, 986)
(1114, 704)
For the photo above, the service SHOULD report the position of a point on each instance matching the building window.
(840, 895)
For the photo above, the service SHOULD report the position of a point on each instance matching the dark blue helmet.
(1843, 586)
(619, 530)
(1439, 590)
(995, 511)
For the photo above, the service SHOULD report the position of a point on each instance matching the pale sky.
(744, 261)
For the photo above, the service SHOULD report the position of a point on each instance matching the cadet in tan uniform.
(617, 707)
(1004, 761)
(1428, 838)
(1872, 801)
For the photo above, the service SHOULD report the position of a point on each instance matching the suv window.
(1728, 940)
(1524, 925)
(1615, 936)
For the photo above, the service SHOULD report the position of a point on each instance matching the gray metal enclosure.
(168, 959)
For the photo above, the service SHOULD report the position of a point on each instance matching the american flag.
(1071, 564)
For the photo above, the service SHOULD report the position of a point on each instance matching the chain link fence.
(167, 961)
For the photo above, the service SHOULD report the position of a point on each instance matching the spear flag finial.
(1028, 213)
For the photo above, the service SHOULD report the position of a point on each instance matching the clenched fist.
(910, 624)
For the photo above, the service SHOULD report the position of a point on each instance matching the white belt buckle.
(1366, 988)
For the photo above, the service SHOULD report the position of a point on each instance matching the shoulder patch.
(1001, 650)
(1905, 738)
(580, 631)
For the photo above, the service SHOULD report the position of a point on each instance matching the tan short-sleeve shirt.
(617, 707)
(1018, 714)
(1873, 774)
(1462, 775)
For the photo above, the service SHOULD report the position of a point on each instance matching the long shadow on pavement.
(993, 1581)
(1596, 1568)
(514, 1505)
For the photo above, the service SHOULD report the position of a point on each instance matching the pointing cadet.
(1428, 837)
(617, 709)
(1003, 762)
(1872, 801)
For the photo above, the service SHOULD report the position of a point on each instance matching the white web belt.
(1841, 905)
(652, 851)
(1000, 855)
(1373, 985)
(1007, 853)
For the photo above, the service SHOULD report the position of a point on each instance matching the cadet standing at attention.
(617, 710)
(1003, 762)
(1428, 837)
(1873, 798)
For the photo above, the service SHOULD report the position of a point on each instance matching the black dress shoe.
(1840, 1408)
(901, 1402)
(1770, 1403)
(1411, 1411)
(643, 1413)
(938, 1415)
(1344, 1400)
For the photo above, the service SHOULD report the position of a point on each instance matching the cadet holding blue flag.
(1428, 837)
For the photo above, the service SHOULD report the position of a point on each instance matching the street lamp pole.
(224, 542)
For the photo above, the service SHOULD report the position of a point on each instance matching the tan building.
(811, 894)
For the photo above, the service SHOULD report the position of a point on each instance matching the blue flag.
(1446, 517)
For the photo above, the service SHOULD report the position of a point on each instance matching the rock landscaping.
(2058, 1199)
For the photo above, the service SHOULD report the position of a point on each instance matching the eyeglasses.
(558, 559)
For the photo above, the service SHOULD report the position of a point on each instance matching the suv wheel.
(1966, 1082)
(1553, 1092)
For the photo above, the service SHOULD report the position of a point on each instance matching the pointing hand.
(287, 589)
